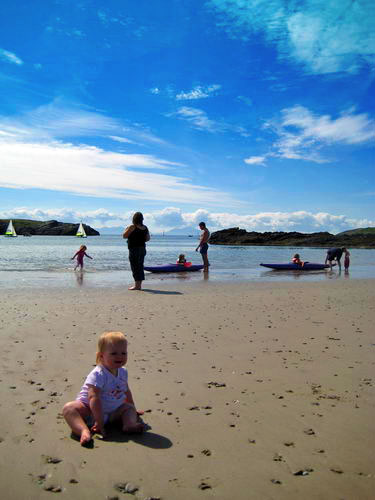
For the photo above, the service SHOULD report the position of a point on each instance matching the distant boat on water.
(81, 233)
(10, 232)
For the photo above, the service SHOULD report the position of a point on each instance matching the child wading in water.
(346, 259)
(80, 254)
(105, 396)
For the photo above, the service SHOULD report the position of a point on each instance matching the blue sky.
(250, 113)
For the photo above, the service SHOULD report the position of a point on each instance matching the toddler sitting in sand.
(105, 396)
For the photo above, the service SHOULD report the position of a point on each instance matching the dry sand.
(243, 387)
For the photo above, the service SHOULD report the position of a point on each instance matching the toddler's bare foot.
(85, 437)
(136, 428)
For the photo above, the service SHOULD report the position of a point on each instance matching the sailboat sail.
(81, 233)
(10, 230)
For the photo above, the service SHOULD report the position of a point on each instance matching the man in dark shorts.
(203, 244)
(334, 254)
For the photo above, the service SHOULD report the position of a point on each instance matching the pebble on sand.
(303, 472)
(54, 489)
(126, 488)
(204, 486)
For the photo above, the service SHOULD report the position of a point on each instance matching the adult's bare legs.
(137, 286)
(205, 261)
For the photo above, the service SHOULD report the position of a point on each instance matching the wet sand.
(261, 391)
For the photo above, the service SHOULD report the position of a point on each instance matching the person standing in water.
(334, 254)
(203, 244)
(346, 260)
(137, 234)
(80, 254)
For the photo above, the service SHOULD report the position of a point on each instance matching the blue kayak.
(173, 268)
(290, 266)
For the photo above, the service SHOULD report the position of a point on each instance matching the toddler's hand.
(98, 429)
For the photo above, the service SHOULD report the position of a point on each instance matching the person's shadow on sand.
(161, 292)
(147, 438)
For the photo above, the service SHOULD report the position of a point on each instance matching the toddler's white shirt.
(113, 388)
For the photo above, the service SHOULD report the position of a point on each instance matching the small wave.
(20, 270)
(61, 270)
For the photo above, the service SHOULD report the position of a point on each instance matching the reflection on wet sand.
(296, 275)
(79, 277)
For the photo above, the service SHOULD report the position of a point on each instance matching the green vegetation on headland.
(45, 228)
(364, 230)
(360, 238)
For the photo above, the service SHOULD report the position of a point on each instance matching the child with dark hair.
(296, 260)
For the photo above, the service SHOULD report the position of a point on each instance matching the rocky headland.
(45, 228)
(360, 238)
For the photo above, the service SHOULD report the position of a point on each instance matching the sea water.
(40, 261)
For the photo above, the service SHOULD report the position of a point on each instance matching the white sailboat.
(81, 233)
(10, 232)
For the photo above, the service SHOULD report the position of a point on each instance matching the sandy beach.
(262, 391)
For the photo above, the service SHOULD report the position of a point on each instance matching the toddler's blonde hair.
(106, 339)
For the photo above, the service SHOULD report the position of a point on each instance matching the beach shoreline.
(69, 279)
(244, 385)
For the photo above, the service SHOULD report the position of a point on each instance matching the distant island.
(28, 227)
(360, 238)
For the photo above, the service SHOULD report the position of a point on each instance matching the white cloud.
(60, 119)
(197, 118)
(347, 128)
(155, 91)
(198, 92)
(255, 160)
(246, 100)
(168, 218)
(302, 133)
(91, 171)
(327, 37)
(35, 155)
(174, 218)
(279, 221)
(10, 57)
(120, 139)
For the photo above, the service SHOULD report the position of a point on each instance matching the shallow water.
(42, 261)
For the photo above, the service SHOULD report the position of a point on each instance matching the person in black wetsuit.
(334, 254)
(137, 234)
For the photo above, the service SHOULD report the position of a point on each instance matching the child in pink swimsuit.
(80, 254)
(346, 259)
